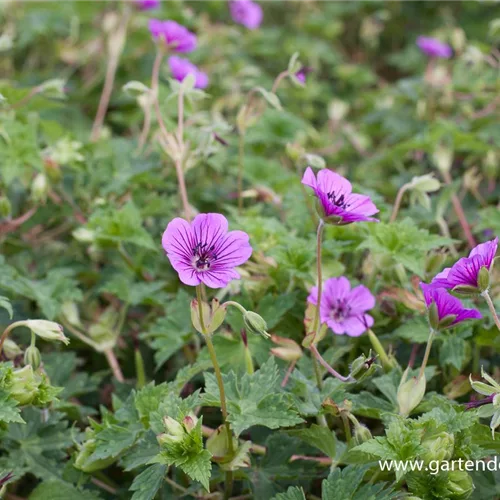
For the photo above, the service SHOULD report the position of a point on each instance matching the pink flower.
(465, 272)
(175, 36)
(343, 309)
(433, 47)
(449, 308)
(337, 202)
(147, 4)
(181, 68)
(246, 12)
(203, 251)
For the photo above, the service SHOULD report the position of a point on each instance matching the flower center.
(203, 256)
(339, 201)
(340, 311)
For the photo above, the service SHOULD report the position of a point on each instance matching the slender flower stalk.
(319, 238)
(397, 202)
(379, 349)
(325, 364)
(178, 162)
(491, 306)
(241, 168)
(427, 353)
(220, 383)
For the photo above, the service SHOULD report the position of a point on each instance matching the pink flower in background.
(181, 68)
(147, 4)
(337, 200)
(246, 12)
(447, 306)
(203, 251)
(433, 47)
(343, 309)
(465, 272)
(175, 36)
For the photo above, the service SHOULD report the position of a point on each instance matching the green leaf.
(453, 351)
(9, 412)
(318, 436)
(5, 304)
(112, 441)
(59, 490)
(293, 493)
(199, 467)
(270, 97)
(273, 308)
(342, 483)
(148, 482)
(255, 399)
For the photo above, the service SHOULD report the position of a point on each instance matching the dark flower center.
(203, 256)
(338, 201)
(340, 311)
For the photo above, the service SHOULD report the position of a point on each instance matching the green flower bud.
(438, 447)
(190, 422)
(24, 385)
(483, 279)
(47, 330)
(85, 463)
(255, 323)
(39, 188)
(11, 349)
(361, 434)
(410, 393)
(460, 485)
(175, 432)
(84, 235)
(362, 367)
(213, 316)
(32, 357)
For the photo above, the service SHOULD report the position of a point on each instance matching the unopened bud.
(460, 484)
(443, 158)
(410, 393)
(32, 357)
(190, 422)
(24, 385)
(11, 349)
(361, 433)
(438, 447)
(39, 188)
(255, 323)
(175, 432)
(47, 330)
(84, 235)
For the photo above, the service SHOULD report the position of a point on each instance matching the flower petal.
(487, 251)
(309, 179)
(361, 204)
(357, 325)
(209, 229)
(178, 240)
(329, 182)
(361, 299)
(219, 278)
(232, 250)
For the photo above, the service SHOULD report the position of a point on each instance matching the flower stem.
(427, 353)
(319, 235)
(222, 393)
(491, 306)
(7, 331)
(325, 364)
(114, 365)
(379, 349)
(241, 166)
(397, 202)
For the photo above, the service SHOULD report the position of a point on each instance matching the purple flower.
(343, 309)
(147, 4)
(338, 203)
(203, 251)
(450, 310)
(434, 48)
(181, 68)
(175, 36)
(246, 12)
(465, 272)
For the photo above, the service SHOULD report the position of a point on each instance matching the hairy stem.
(397, 202)
(178, 163)
(222, 393)
(324, 363)
(114, 365)
(241, 167)
(319, 235)
(491, 306)
(379, 349)
(427, 353)
(7, 331)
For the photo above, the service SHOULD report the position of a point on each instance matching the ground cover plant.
(248, 250)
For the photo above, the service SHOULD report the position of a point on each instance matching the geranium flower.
(203, 251)
(175, 36)
(246, 12)
(465, 272)
(337, 202)
(449, 309)
(147, 4)
(181, 68)
(343, 309)
(433, 47)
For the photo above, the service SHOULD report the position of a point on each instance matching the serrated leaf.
(453, 351)
(112, 441)
(293, 493)
(148, 482)
(59, 490)
(342, 483)
(9, 412)
(320, 437)
(255, 399)
(199, 467)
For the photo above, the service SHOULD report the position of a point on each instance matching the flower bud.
(24, 385)
(438, 447)
(361, 433)
(362, 366)
(32, 357)
(213, 316)
(47, 330)
(5, 207)
(84, 235)
(85, 462)
(491, 164)
(69, 311)
(460, 485)
(483, 279)
(289, 350)
(11, 349)
(410, 393)
(443, 158)
(190, 422)
(175, 432)
(39, 188)
(255, 323)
